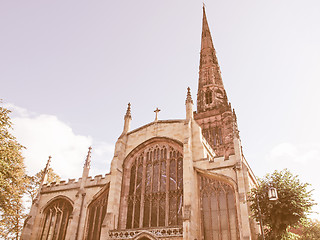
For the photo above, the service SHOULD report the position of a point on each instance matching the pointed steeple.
(210, 89)
(206, 40)
(214, 113)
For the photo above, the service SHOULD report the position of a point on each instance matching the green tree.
(12, 180)
(293, 204)
(310, 230)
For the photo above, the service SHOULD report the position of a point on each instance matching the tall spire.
(214, 113)
(210, 90)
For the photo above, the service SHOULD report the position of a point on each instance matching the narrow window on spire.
(208, 96)
(206, 76)
(220, 136)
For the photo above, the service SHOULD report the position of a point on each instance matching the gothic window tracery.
(218, 210)
(56, 220)
(96, 214)
(213, 135)
(154, 195)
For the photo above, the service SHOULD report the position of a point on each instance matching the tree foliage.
(310, 230)
(12, 179)
(14, 183)
(293, 204)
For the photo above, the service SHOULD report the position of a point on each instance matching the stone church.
(169, 179)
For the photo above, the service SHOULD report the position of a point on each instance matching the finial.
(48, 163)
(128, 113)
(157, 112)
(45, 172)
(203, 5)
(88, 159)
(189, 98)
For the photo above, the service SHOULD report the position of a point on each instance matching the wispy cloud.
(45, 135)
(288, 152)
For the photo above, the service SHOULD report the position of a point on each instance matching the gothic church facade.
(169, 179)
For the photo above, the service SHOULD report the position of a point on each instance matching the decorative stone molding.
(155, 232)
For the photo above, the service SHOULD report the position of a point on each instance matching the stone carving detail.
(156, 232)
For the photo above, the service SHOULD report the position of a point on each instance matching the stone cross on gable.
(157, 112)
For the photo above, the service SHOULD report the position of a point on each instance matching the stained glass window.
(154, 194)
(219, 218)
(97, 211)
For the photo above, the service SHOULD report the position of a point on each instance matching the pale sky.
(69, 68)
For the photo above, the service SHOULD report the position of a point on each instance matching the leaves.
(290, 209)
(310, 230)
(12, 179)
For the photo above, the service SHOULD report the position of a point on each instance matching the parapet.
(64, 185)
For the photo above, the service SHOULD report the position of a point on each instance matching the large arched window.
(57, 215)
(219, 215)
(153, 196)
(96, 213)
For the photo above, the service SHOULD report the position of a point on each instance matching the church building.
(169, 179)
